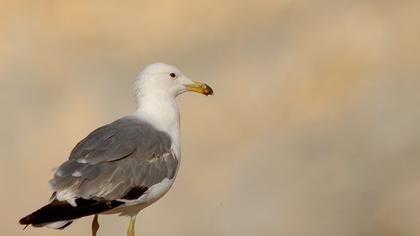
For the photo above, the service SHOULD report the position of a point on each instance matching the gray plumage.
(115, 158)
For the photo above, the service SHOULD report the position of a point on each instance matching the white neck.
(161, 110)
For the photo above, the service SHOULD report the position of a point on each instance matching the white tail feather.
(58, 224)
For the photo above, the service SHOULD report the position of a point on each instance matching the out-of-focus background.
(313, 129)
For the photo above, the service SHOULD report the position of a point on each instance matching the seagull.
(125, 166)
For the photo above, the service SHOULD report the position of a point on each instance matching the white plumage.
(125, 166)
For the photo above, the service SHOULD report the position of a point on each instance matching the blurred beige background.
(313, 129)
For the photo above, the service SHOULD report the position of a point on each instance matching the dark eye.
(173, 75)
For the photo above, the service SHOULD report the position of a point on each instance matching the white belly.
(154, 193)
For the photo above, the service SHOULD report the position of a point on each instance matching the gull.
(125, 166)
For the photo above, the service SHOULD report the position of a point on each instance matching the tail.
(60, 214)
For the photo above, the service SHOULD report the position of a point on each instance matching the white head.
(159, 79)
(156, 88)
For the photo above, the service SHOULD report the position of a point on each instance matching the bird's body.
(123, 167)
(171, 127)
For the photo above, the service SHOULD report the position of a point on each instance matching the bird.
(124, 166)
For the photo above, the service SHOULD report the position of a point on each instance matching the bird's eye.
(173, 75)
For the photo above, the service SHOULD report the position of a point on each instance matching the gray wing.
(128, 154)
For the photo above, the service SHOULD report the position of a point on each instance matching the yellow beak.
(199, 88)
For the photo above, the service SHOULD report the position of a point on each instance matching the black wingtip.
(25, 221)
(64, 211)
(26, 226)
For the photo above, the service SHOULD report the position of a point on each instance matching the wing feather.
(114, 159)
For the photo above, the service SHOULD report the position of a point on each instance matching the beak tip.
(208, 91)
(200, 88)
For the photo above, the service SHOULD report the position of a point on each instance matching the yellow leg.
(130, 231)
(95, 225)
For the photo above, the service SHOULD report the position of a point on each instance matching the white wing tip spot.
(72, 202)
(82, 161)
(76, 174)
